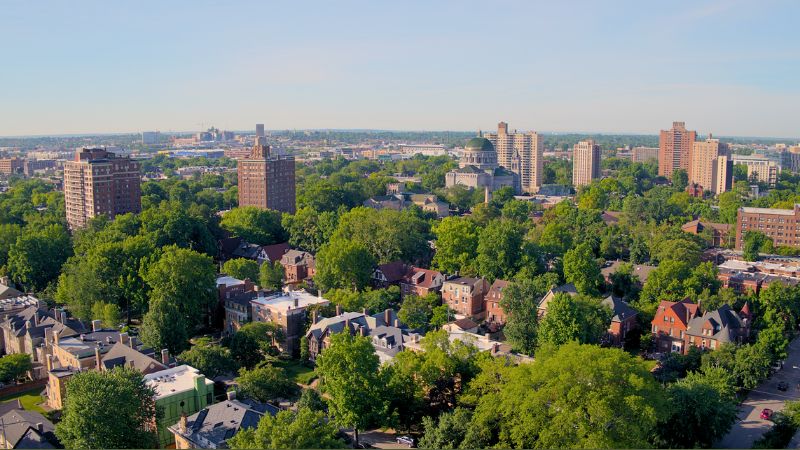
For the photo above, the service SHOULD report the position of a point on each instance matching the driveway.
(749, 426)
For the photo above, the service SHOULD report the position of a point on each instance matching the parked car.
(405, 440)
(783, 386)
(766, 414)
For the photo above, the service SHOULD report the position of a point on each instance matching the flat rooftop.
(289, 300)
(174, 380)
(228, 281)
(772, 211)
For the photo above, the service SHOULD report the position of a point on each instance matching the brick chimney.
(64, 317)
(362, 331)
(183, 423)
(314, 316)
(123, 338)
(365, 311)
(98, 359)
(397, 323)
(97, 325)
(387, 316)
(164, 356)
(338, 310)
(50, 363)
(231, 395)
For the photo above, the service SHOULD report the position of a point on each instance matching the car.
(783, 386)
(766, 414)
(405, 440)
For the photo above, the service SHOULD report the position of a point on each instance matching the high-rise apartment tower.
(526, 148)
(267, 181)
(675, 149)
(585, 162)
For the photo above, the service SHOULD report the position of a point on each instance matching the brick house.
(494, 312)
(288, 311)
(718, 327)
(670, 323)
(298, 266)
(230, 287)
(720, 232)
(465, 296)
(623, 320)
(388, 274)
(420, 282)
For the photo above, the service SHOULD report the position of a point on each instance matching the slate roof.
(122, 355)
(418, 276)
(20, 430)
(621, 310)
(725, 322)
(296, 258)
(217, 423)
(393, 271)
(640, 270)
(8, 292)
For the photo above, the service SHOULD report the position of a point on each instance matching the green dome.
(479, 144)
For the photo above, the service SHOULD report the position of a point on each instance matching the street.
(749, 426)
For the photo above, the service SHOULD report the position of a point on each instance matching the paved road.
(749, 426)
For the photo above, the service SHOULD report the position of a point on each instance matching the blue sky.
(727, 67)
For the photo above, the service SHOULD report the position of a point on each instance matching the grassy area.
(30, 399)
(297, 371)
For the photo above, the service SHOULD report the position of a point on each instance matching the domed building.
(478, 168)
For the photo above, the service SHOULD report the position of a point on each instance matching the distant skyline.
(725, 67)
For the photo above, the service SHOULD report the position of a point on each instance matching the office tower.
(520, 149)
(267, 181)
(781, 225)
(260, 130)
(98, 182)
(675, 148)
(585, 162)
(150, 137)
(644, 154)
(704, 160)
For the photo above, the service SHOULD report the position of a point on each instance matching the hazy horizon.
(725, 67)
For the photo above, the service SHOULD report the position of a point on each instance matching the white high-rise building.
(526, 148)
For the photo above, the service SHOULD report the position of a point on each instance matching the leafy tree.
(751, 365)
(520, 301)
(241, 268)
(456, 244)
(343, 263)
(185, 279)
(701, 413)
(623, 282)
(311, 399)
(270, 275)
(499, 249)
(571, 398)
(254, 225)
(309, 229)
(9, 233)
(582, 269)
(302, 429)
(416, 311)
(440, 316)
(36, 257)
(14, 366)
(265, 383)
(210, 359)
(729, 204)
(755, 242)
(569, 318)
(254, 341)
(165, 327)
(448, 432)
(112, 409)
(348, 372)
(680, 179)
(108, 313)
(387, 234)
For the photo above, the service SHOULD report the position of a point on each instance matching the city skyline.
(722, 67)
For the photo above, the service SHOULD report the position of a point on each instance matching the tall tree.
(349, 374)
(165, 327)
(416, 311)
(344, 263)
(254, 225)
(265, 383)
(112, 409)
(212, 360)
(582, 269)
(581, 319)
(456, 244)
(270, 275)
(305, 428)
(14, 366)
(309, 229)
(36, 257)
(500, 249)
(241, 268)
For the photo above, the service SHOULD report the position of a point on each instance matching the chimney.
(295, 302)
(40, 427)
(4, 280)
(164, 356)
(98, 359)
(231, 395)
(36, 318)
(347, 325)
(314, 316)
(365, 311)
(397, 323)
(387, 316)
(123, 338)
(183, 423)
(55, 337)
(495, 348)
(338, 310)
(130, 364)
(50, 363)
(97, 325)
(29, 324)
(64, 317)
(362, 331)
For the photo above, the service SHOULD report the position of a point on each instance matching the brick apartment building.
(267, 181)
(97, 182)
(10, 166)
(675, 148)
(781, 225)
(465, 296)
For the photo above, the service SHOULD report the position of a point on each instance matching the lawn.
(30, 399)
(297, 371)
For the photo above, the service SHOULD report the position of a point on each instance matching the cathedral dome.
(479, 144)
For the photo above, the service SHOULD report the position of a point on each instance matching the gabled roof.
(568, 288)
(498, 286)
(421, 277)
(681, 309)
(20, 428)
(620, 309)
(610, 217)
(122, 355)
(296, 258)
(393, 271)
(276, 251)
(8, 292)
(219, 422)
(725, 324)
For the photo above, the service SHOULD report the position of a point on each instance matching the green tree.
(456, 244)
(500, 249)
(9, 233)
(254, 342)
(108, 313)
(185, 279)
(270, 275)
(36, 257)
(569, 318)
(302, 429)
(448, 431)
(343, 263)
(311, 399)
(255, 225)
(702, 412)
(241, 268)
(265, 383)
(680, 179)
(571, 398)
(309, 229)
(582, 269)
(751, 365)
(165, 327)
(440, 315)
(729, 204)
(416, 311)
(349, 374)
(520, 301)
(111, 409)
(387, 234)
(755, 243)
(210, 359)
(14, 366)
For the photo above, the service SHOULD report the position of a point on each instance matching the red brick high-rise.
(267, 181)
(675, 149)
(97, 182)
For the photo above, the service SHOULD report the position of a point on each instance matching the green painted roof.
(479, 144)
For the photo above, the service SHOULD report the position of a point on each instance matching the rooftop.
(289, 300)
(773, 211)
(174, 380)
(228, 281)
